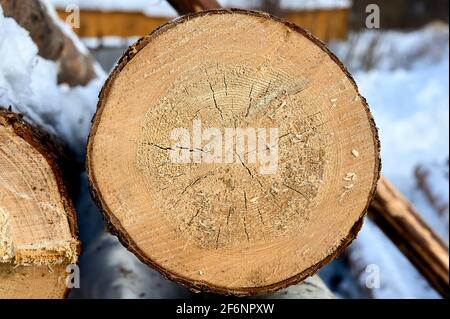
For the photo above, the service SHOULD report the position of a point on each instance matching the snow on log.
(232, 152)
(37, 220)
(75, 67)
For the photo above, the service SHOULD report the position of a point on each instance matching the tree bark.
(38, 234)
(417, 241)
(190, 6)
(228, 227)
(75, 67)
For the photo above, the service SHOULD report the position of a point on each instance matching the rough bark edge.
(56, 156)
(112, 223)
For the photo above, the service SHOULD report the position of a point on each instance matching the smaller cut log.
(38, 235)
(417, 241)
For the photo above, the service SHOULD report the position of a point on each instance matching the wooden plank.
(122, 24)
(325, 24)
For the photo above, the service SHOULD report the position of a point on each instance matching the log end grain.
(215, 215)
(38, 235)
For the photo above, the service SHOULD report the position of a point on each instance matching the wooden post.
(246, 214)
(417, 241)
(37, 219)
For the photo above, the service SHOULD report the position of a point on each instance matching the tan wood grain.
(37, 221)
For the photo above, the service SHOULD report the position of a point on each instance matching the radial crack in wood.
(222, 152)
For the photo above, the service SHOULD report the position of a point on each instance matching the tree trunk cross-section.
(215, 210)
(37, 219)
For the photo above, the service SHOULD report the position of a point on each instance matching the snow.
(161, 8)
(393, 50)
(405, 78)
(315, 4)
(398, 278)
(122, 274)
(412, 113)
(157, 8)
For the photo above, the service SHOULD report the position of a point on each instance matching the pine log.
(233, 228)
(75, 67)
(417, 241)
(38, 235)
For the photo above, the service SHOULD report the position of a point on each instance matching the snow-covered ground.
(404, 76)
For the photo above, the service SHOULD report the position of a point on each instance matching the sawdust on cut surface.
(220, 205)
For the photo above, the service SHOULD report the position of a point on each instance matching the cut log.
(33, 282)
(417, 241)
(37, 220)
(232, 152)
(75, 67)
